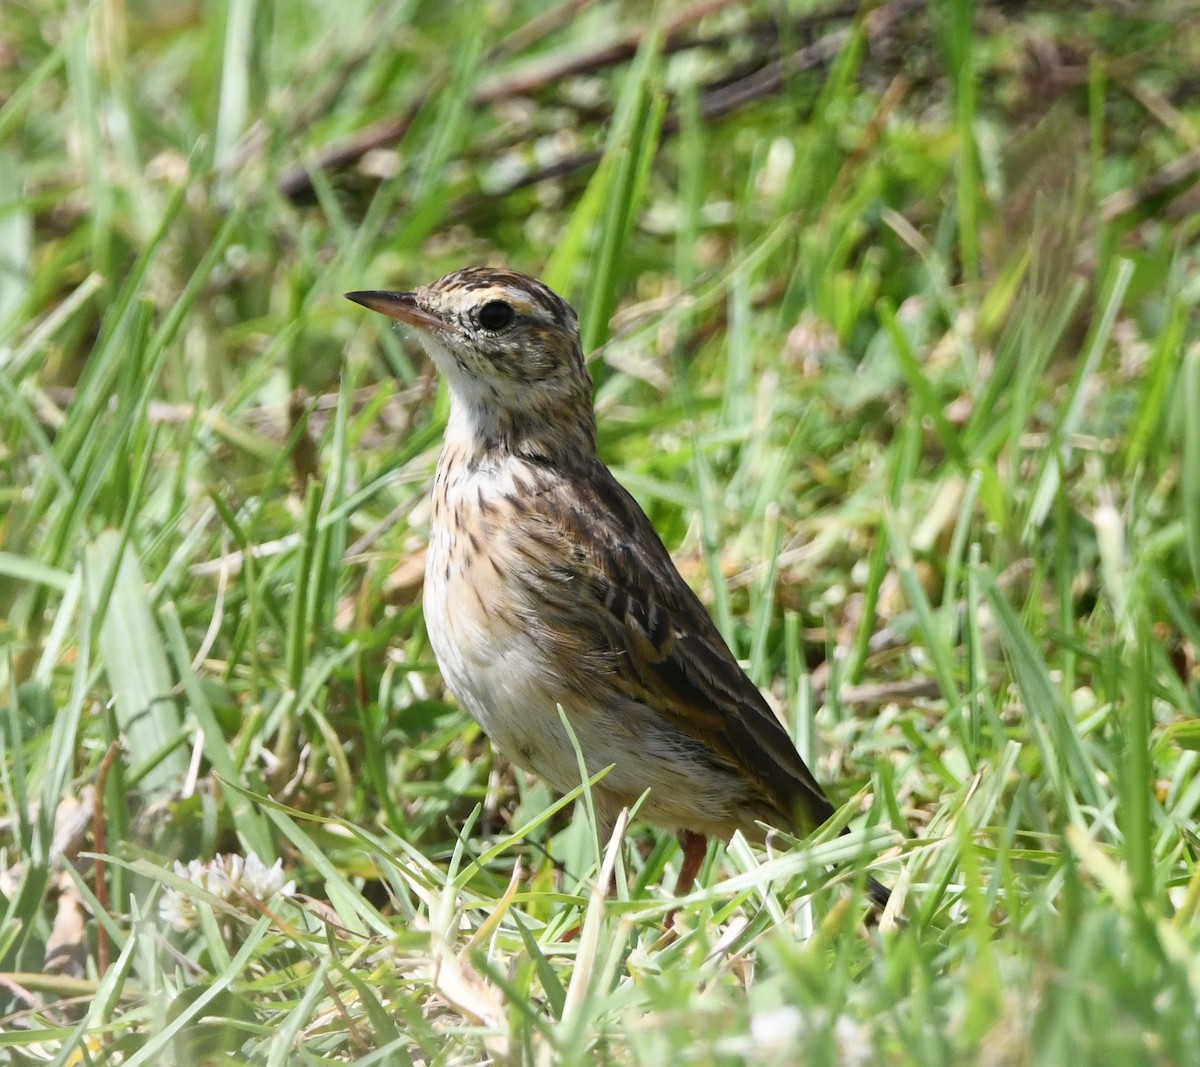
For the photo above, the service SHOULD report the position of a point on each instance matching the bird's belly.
(498, 662)
(493, 664)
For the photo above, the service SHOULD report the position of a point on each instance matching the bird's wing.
(668, 652)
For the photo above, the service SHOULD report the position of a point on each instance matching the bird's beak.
(400, 306)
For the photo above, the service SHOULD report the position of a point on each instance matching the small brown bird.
(547, 586)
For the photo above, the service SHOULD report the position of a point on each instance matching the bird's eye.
(496, 315)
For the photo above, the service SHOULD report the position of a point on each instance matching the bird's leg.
(695, 847)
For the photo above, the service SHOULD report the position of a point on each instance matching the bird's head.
(509, 348)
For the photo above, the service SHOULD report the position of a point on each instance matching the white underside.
(496, 668)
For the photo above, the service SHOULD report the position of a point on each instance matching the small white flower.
(223, 876)
(263, 882)
(177, 910)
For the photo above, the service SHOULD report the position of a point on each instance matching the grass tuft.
(895, 333)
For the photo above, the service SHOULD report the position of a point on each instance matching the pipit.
(546, 586)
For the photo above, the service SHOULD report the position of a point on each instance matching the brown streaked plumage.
(546, 585)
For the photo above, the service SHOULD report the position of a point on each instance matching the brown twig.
(537, 75)
(1171, 178)
(715, 102)
(296, 182)
(719, 99)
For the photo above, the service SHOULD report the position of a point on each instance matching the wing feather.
(664, 646)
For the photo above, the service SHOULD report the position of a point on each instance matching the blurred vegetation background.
(893, 309)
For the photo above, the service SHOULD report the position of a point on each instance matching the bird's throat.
(482, 429)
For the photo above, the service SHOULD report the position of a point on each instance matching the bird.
(547, 587)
